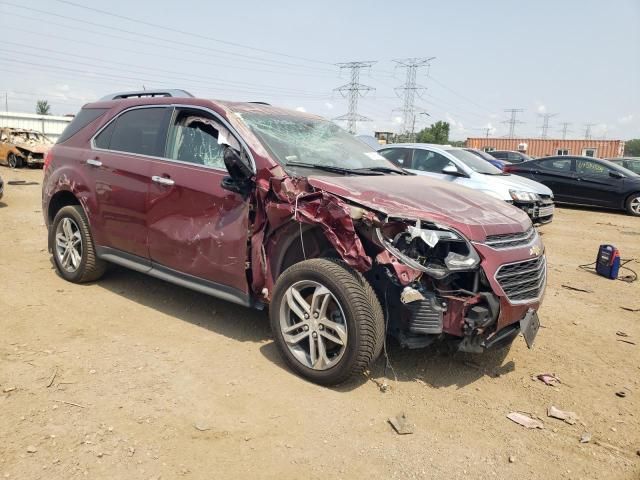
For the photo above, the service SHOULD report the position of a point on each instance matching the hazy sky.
(577, 58)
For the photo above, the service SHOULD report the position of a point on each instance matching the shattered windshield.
(300, 140)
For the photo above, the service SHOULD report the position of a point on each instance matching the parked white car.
(456, 165)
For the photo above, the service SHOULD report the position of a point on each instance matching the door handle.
(94, 163)
(163, 180)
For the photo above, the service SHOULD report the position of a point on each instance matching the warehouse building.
(52, 126)
(537, 147)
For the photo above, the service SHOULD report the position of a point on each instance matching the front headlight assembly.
(522, 196)
(430, 248)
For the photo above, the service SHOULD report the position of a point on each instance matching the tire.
(14, 161)
(633, 204)
(83, 265)
(349, 312)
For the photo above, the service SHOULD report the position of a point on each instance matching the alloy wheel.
(68, 244)
(313, 325)
(634, 205)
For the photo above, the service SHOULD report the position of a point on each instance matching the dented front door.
(195, 226)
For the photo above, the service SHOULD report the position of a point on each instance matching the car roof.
(421, 145)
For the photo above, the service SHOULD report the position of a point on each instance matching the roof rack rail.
(147, 93)
(261, 103)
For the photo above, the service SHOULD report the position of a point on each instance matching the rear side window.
(142, 131)
(557, 164)
(81, 120)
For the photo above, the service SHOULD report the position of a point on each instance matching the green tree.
(437, 133)
(43, 107)
(632, 148)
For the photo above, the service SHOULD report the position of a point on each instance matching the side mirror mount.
(240, 173)
(453, 170)
(615, 174)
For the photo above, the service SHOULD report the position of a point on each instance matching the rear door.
(120, 165)
(557, 174)
(597, 187)
(196, 228)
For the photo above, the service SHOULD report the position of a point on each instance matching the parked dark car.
(488, 157)
(278, 209)
(510, 156)
(630, 163)
(585, 181)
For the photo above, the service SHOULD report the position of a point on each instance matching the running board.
(148, 267)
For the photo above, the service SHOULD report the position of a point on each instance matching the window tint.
(399, 156)
(141, 131)
(427, 161)
(500, 155)
(81, 120)
(633, 165)
(587, 167)
(557, 164)
(199, 139)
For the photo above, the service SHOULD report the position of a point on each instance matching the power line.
(410, 89)
(545, 123)
(513, 121)
(195, 35)
(352, 91)
(587, 130)
(565, 129)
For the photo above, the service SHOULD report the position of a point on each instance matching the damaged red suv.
(267, 207)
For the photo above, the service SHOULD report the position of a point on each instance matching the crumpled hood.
(33, 148)
(474, 214)
(516, 182)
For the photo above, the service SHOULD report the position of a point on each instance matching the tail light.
(508, 168)
(47, 158)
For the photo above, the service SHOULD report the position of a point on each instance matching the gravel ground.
(135, 378)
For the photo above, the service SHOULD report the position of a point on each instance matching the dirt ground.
(134, 378)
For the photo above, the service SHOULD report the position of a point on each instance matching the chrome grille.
(508, 240)
(523, 281)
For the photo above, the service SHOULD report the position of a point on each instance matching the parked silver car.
(464, 168)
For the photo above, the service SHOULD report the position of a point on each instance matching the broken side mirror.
(240, 171)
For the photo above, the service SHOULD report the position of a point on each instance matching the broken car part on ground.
(261, 205)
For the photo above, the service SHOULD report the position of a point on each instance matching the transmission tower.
(565, 129)
(545, 123)
(486, 130)
(513, 121)
(409, 91)
(587, 130)
(353, 91)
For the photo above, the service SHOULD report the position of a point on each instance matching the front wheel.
(633, 205)
(14, 161)
(326, 320)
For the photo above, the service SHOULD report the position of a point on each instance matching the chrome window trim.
(173, 106)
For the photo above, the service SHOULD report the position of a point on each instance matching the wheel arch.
(61, 199)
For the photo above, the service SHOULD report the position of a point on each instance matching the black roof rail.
(170, 92)
(260, 103)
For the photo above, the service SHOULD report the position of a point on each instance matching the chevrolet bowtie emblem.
(535, 250)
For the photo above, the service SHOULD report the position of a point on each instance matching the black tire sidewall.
(17, 162)
(75, 213)
(342, 370)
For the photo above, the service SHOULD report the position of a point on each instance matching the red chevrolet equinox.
(271, 208)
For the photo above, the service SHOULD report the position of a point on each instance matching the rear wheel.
(326, 320)
(633, 204)
(72, 246)
(14, 161)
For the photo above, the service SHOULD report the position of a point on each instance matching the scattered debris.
(626, 341)
(8, 389)
(630, 309)
(31, 449)
(622, 334)
(400, 424)
(70, 403)
(21, 182)
(585, 437)
(621, 394)
(512, 459)
(568, 417)
(201, 427)
(549, 379)
(131, 451)
(525, 420)
(569, 287)
(53, 376)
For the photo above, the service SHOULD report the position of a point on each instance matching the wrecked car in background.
(267, 207)
(19, 147)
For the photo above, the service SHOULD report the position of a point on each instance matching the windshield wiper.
(329, 168)
(383, 170)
